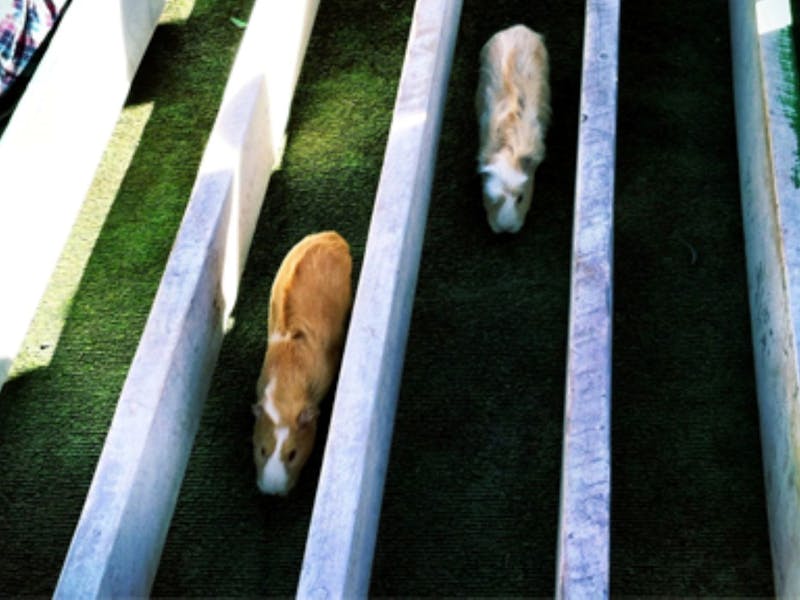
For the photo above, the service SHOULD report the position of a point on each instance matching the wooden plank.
(766, 93)
(53, 144)
(118, 541)
(341, 539)
(583, 539)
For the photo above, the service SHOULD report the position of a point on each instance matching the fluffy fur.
(310, 301)
(513, 106)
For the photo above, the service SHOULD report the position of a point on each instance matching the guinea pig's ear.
(261, 385)
(527, 164)
(487, 169)
(258, 409)
(307, 416)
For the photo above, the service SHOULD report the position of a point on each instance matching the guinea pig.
(513, 107)
(309, 304)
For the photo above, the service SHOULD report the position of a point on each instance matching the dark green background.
(471, 498)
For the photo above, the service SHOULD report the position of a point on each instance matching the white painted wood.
(583, 539)
(341, 539)
(118, 541)
(766, 93)
(53, 144)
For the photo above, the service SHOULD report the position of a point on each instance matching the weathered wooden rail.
(341, 539)
(582, 565)
(767, 105)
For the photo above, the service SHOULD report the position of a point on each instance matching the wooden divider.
(767, 108)
(117, 543)
(53, 143)
(341, 539)
(583, 539)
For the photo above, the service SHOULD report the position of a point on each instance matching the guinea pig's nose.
(270, 488)
(273, 478)
(507, 219)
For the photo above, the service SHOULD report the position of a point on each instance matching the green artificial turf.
(688, 508)
(471, 497)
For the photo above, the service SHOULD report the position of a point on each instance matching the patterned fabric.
(24, 25)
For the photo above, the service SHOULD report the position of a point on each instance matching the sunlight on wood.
(177, 11)
(42, 338)
(773, 15)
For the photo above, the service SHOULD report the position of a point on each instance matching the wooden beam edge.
(341, 539)
(766, 101)
(582, 563)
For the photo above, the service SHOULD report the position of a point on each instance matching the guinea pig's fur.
(310, 301)
(513, 106)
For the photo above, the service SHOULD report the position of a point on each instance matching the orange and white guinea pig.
(310, 301)
(513, 106)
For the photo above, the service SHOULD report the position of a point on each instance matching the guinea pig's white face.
(281, 443)
(506, 196)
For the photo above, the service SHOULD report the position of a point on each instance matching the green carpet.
(471, 497)
(688, 509)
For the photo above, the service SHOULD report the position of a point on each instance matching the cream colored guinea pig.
(311, 298)
(513, 106)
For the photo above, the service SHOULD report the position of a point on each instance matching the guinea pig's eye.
(263, 452)
(518, 200)
(292, 455)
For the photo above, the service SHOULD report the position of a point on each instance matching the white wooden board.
(766, 93)
(582, 565)
(341, 540)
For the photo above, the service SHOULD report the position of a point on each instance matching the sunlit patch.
(773, 15)
(44, 332)
(177, 11)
